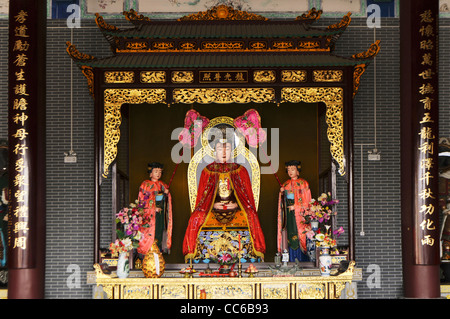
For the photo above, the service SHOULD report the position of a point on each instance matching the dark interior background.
(150, 129)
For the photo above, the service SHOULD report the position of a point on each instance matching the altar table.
(245, 287)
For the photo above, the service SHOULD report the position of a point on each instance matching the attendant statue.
(293, 201)
(155, 198)
(225, 218)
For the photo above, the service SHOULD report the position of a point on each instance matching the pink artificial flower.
(249, 125)
(225, 258)
(338, 232)
(194, 124)
(123, 217)
(310, 234)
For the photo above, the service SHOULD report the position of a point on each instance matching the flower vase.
(325, 261)
(123, 266)
(315, 225)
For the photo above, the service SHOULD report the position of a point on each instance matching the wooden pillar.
(419, 147)
(26, 134)
(98, 160)
(349, 164)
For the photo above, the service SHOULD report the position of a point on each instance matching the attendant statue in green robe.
(293, 201)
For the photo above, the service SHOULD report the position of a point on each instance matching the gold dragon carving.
(293, 76)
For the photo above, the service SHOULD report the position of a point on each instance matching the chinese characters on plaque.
(427, 209)
(223, 77)
(19, 115)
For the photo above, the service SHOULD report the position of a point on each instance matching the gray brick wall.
(377, 191)
(70, 186)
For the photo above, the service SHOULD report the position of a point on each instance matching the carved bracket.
(113, 101)
(333, 97)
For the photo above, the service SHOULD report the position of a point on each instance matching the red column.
(26, 135)
(419, 147)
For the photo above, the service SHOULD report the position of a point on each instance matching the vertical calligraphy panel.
(426, 135)
(26, 132)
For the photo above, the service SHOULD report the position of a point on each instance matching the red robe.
(206, 193)
(147, 195)
(302, 199)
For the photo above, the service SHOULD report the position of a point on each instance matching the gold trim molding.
(136, 46)
(119, 76)
(209, 46)
(288, 287)
(264, 76)
(224, 96)
(223, 45)
(328, 75)
(294, 76)
(113, 101)
(182, 77)
(153, 77)
(333, 97)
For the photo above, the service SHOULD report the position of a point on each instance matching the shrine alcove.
(148, 141)
(221, 63)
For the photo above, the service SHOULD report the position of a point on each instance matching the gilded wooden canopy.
(222, 55)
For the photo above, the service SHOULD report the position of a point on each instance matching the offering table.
(209, 287)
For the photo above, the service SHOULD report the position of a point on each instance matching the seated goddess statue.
(225, 218)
